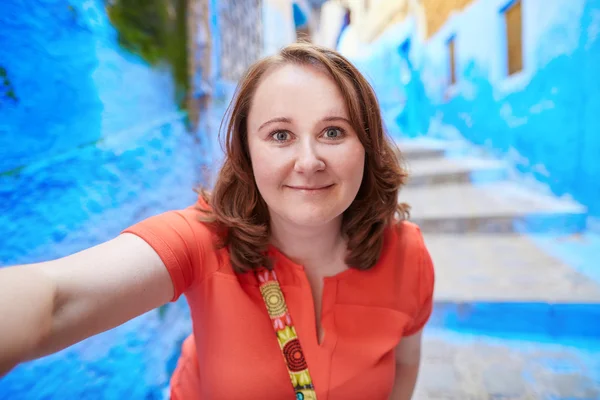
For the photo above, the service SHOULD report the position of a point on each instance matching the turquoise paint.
(545, 322)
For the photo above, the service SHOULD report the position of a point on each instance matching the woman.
(299, 269)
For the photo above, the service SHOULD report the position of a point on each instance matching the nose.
(307, 159)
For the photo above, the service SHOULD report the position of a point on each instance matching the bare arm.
(49, 306)
(408, 358)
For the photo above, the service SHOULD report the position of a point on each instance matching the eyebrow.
(289, 121)
(274, 120)
(336, 118)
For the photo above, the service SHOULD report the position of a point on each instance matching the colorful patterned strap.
(286, 335)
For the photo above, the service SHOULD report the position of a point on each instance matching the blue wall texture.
(90, 143)
(393, 65)
(544, 119)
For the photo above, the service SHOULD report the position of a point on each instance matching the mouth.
(310, 188)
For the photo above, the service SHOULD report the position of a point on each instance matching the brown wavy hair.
(238, 211)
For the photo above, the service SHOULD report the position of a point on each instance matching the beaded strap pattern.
(286, 335)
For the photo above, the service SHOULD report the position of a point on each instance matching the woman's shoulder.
(186, 244)
(183, 220)
(403, 247)
(179, 229)
(407, 249)
(406, 235)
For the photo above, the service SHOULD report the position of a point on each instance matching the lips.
(310, 188)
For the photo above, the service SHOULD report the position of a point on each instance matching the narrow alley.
(112, 112)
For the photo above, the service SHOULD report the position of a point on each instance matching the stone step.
(504, 268)
(459, 367)
(427, 148)
(499, 207)
(455, 170)
(422, 148)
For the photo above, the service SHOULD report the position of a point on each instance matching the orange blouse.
(233, 352)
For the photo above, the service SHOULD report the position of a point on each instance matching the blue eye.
(281, 136)
(333, 133)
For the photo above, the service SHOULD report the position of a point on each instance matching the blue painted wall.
(392, 65)
(544, 120)
(90, 143)
(92, 129)
(48, 53)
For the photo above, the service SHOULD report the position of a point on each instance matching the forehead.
(296, 90)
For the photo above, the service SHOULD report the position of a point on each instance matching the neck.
(309, 246)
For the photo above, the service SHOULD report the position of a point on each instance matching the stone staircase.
(477, 223)
(478, 196)
(493, 281)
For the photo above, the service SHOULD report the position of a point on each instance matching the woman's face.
(307, 160)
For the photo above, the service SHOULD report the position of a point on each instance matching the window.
(514, 37)
(452, 60)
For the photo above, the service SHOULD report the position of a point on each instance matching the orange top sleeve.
(180, 240)
(425, 286)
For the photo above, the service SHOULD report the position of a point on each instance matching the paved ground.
(457, 367)
(504, 267)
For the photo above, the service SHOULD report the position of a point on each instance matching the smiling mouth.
(310, 188)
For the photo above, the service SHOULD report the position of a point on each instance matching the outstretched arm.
(49, 306)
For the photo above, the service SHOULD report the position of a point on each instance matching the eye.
(334, 133)
(280, 136)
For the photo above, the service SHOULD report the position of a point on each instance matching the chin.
(312, 218)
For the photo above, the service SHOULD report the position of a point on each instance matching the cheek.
(268, 169)
(350, 165)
